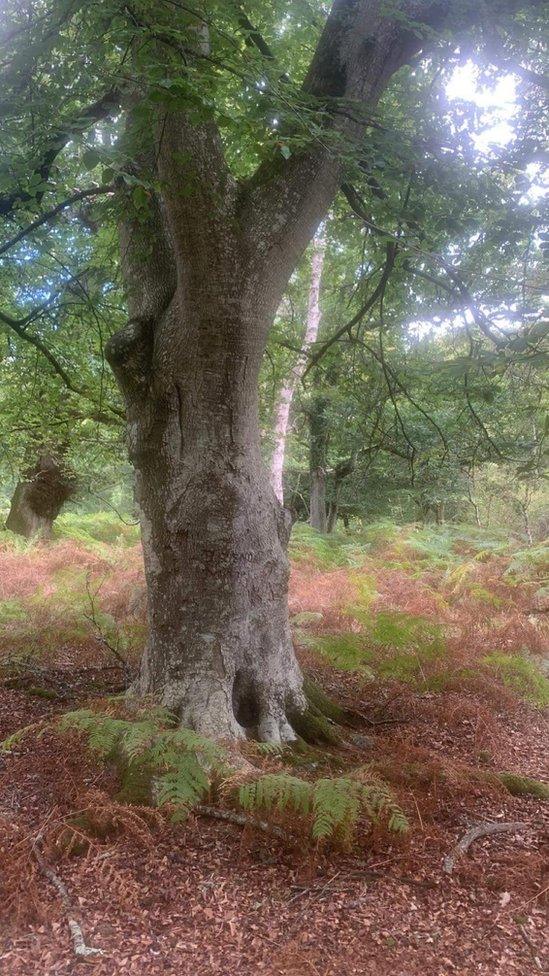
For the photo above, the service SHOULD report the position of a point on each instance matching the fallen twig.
(481, 830)
(241, 820)
(531, 946)
(315, 893)
(382, 721)
(75, 929)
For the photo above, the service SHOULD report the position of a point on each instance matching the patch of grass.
(12, 611)
(393, 628)
(394, 646)
(11, 542)
(346, 652)
(326, 551)
(432, 546)
(522, 676)
(483, 595)
(365, 589)
(97, 527)
(409, 645)
(524, 785)
(380, 533)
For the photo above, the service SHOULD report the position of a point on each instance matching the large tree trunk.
(220, 650)
(318, 517)
(219, 653)
(282, 415)
(39, 497)
(342, 471)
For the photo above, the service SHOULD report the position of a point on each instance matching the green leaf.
(140, 198)
(91, 158)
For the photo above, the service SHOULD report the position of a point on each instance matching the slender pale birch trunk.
(282, 414)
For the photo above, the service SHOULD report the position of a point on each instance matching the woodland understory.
(412, 643)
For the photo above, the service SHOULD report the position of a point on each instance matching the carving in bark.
(39, 497)
(204, 277)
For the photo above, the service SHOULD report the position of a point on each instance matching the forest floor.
(433, 638)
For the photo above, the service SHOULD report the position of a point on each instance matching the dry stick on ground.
(78, 941)
(242, 820)
(531, 946)
(481, 830)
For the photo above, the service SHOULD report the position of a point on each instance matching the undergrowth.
(397, 618)
(96, 528)
(175, 768)
(522, 676)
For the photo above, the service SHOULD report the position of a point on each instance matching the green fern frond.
(179, 765)
(270, 748)
(183, 787)
(276, 791)
(337, 806)
(334, 804)
(181, 762)
(103, 731)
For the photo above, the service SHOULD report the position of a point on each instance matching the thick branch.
(81, 949)
(361, 48)
(19, 326)
(481, 830)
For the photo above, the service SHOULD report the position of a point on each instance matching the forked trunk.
(205, 264)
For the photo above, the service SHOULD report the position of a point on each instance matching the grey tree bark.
(205, 273)
(341, 472)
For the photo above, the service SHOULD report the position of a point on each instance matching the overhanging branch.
(92, 191)
(369, 304)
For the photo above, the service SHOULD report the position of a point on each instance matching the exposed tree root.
(80, 948)
(481, 830)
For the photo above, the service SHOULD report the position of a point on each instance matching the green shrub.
(326, 551)
(531, 563)
(348, 652)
